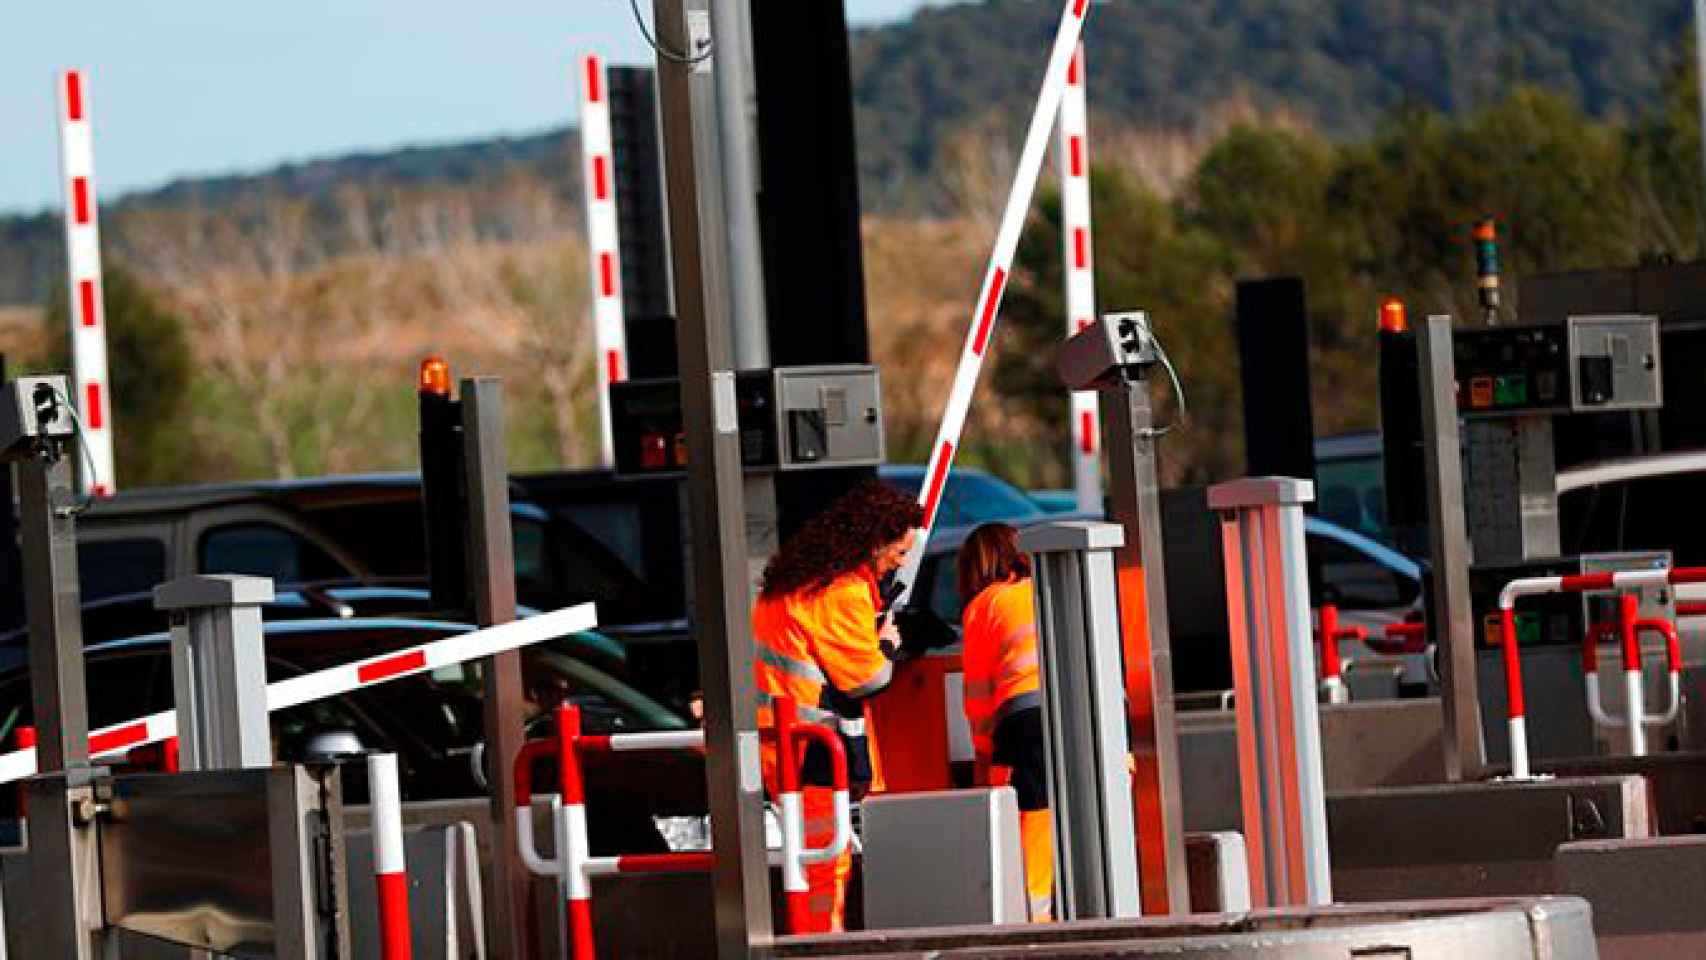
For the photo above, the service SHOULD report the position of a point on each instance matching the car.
(970, 496)
(369, 531)
(434, 721)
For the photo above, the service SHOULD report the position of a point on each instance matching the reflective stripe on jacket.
(999, 657)
(811, 639)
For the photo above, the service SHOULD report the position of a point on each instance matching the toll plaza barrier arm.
(338, 680)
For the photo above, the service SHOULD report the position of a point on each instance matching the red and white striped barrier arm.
(94, 400)
(390, 868)
(339, 680)
(598, 181)
(1073, 158)
(981, 333)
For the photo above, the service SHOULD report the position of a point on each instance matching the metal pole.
(219, 669)
(737, 161)
(1280, 774)
(65, 901)
(1449, 615)
(1084, 718)
(491, 570)
(1135, 504)
(57, 689)
(722, 631)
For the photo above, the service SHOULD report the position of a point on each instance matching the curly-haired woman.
(819, 642)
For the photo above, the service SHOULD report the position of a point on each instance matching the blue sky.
(187, 87)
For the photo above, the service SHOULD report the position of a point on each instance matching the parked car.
(369, 531)
(434, 722)
(970, 496)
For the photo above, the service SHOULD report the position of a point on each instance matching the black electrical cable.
(651, 41)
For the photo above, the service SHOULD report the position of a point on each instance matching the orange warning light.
(435, 376)
(1486, 231)
(1393, 319)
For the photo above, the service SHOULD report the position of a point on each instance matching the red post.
(1331, 667)
(389, 865)
(26, 738)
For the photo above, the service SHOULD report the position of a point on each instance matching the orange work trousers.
(828, 880)
(1036, 832)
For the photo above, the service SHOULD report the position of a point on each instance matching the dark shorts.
(1019, 745)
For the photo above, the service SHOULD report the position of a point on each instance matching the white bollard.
(389, 867)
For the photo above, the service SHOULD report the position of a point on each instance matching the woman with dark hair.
(1002, 692)
(819, 642)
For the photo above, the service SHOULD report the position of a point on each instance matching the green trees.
(1389, 215)
(152, 372)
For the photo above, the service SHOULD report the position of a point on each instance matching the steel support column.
(1449, 615)
(717, 520)
(491, 573)
(1135, 504)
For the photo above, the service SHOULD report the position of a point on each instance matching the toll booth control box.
(1591, 364)
(789, 418)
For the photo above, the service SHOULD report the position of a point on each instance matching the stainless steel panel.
(942, 858)
(443, 894)
(229, 861)
(1451, 612)
(1630, 344)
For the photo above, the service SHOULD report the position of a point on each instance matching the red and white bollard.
(796, 890)
(389, 865)
(1634, 693)
(573, 845)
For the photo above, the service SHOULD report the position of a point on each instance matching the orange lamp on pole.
(1393, 319)
(435, 376)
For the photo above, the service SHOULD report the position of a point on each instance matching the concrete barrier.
(1381, 743)
(1473, 839)
(1554, 928)
(1648, 896)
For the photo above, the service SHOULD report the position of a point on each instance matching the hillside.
(1340, 65)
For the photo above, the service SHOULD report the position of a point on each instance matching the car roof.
(302, 493)
(1625, 469)
(1380, 552)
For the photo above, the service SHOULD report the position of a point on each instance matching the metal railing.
(574, 866)
(1619, 581)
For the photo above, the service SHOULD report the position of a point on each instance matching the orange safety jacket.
(999, 658)
(812, 638)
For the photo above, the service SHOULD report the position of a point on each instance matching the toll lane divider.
(987, 310)
(1623, 580)
(335, 681)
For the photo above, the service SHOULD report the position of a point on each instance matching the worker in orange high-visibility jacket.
(820, 640)
(1003, 694)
